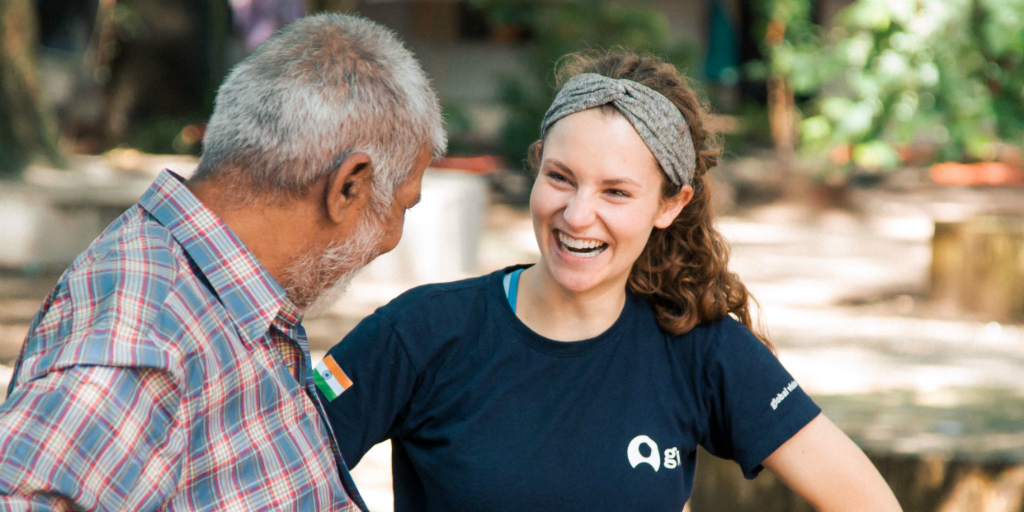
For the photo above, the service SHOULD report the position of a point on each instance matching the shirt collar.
(252, 297)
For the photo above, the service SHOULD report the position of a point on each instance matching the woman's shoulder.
(442, 300)
(427, 294)
(723, 335)
(725, 329)
(429, 320)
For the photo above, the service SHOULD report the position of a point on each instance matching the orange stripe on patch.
(337, 372)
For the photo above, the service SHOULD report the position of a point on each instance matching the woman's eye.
(619, 193)
(558, 177)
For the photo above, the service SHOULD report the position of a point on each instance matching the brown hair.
(684, 268)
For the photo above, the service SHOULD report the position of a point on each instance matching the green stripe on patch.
(325, 388)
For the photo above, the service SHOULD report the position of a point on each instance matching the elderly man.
(169, 369)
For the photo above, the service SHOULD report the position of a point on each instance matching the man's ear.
(671, 207)
(349, 185)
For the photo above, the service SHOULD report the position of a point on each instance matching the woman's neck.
(564, 315)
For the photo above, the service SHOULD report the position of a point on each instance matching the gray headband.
(660, 124)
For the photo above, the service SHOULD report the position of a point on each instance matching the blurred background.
(872, 186)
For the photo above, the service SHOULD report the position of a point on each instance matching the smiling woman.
(683, 268)
(606, 207)
(587, 381)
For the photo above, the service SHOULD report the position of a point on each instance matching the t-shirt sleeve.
(754, 405)
(382, 375)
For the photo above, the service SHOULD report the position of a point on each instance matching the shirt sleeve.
(383, 377)
(90, 438)
(754, 405)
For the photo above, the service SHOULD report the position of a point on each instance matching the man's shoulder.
(119, 303)
(134, 236)
(136, 259)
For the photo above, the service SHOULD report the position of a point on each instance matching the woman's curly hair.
(684, 268)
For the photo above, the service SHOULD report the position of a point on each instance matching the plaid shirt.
(167, 370)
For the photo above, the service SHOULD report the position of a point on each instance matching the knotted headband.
(660, 124)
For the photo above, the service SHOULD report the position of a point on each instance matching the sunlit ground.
(844, 297)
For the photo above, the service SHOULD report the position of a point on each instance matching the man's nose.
(579, 212)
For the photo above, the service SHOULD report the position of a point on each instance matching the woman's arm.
(382, 379)
(824, 466)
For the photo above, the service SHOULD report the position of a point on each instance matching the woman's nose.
(579, 211)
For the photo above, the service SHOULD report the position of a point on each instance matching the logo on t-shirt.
(672, 457)
(783, 394)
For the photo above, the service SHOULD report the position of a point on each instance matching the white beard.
(318, 278)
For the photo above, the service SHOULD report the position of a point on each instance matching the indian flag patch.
(329, 377)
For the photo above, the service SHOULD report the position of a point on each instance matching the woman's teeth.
(582, 248)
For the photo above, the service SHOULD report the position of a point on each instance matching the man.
(168, 369)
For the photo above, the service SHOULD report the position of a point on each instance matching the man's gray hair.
(317, 91)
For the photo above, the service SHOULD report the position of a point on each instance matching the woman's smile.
(579, 247)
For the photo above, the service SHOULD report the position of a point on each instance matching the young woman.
(586, 381)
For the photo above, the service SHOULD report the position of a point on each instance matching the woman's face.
(596, 200)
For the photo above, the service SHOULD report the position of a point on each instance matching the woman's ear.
(671, 207)
(349, 186)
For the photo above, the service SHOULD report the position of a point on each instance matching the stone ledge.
(920, 483)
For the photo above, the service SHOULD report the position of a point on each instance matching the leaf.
(875, 156)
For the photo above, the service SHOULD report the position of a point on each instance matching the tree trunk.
(27, 126)
(978, 267)
(782, 120)
(782, 117)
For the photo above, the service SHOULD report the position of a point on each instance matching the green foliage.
(459, 125)
(556, 29)
(947, 73)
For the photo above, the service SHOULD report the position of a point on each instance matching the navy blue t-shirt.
(486, 415)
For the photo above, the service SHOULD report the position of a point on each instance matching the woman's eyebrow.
(611, 182)
(562, 167)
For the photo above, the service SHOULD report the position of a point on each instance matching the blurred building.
(465, 55)
(161, 60)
